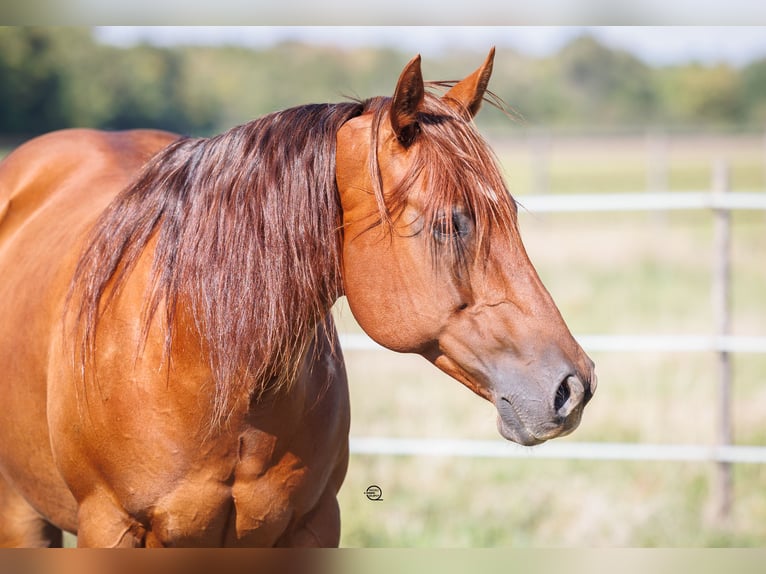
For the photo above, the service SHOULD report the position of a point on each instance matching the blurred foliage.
(60, 77)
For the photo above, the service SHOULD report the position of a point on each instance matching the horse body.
(137, 458)
(170, 371)
(45, 205)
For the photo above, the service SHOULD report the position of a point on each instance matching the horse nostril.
(562, 395)
(569, 397)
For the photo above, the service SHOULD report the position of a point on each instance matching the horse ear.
(407, 99)
(466, 96)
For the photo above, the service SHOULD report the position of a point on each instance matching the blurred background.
(204, 80)
(633, 117)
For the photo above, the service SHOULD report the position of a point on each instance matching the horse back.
(39, 171)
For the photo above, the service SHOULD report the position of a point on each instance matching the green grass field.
(610, 274)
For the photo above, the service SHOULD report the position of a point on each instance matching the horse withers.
(171, 375)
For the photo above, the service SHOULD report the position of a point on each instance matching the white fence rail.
(558, 450)
(663, 201)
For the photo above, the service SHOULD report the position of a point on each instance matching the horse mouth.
(513, 426)
(516, 433)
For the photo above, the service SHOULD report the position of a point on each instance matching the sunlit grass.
(516, 503)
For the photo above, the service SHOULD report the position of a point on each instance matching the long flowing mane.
(247, 233)
(246, 225)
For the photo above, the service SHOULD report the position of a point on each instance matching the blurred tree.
(58, 77)
(52, 78)
(603, 85)
(32, 74)
(754, 92)
(701, 95)
(149, 87)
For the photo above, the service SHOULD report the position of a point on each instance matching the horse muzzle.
(530, 415)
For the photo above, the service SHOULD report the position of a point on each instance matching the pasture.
(638, 273)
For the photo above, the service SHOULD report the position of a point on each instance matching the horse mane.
(247, 229)
(246, 226)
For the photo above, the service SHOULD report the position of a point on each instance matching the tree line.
(52, 78)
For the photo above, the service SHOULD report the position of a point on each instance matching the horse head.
(433, 262)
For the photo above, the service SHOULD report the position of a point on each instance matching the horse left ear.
(466, 96)
(406, 102)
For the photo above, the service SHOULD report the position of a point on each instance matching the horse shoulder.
(291, 477)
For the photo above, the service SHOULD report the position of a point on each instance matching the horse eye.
(454, 226)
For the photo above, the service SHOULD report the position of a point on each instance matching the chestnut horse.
(171, 375)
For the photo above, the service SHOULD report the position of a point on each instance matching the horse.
(171, 374)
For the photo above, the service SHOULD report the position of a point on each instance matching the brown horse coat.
(170, 373)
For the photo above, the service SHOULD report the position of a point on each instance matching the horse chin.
(515, 432)
(534, 428)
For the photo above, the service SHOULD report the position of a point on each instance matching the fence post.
(656, 161)
(657, 178)
(721, 314)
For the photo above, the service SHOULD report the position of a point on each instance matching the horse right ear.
(407, 100)
(466, 96)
